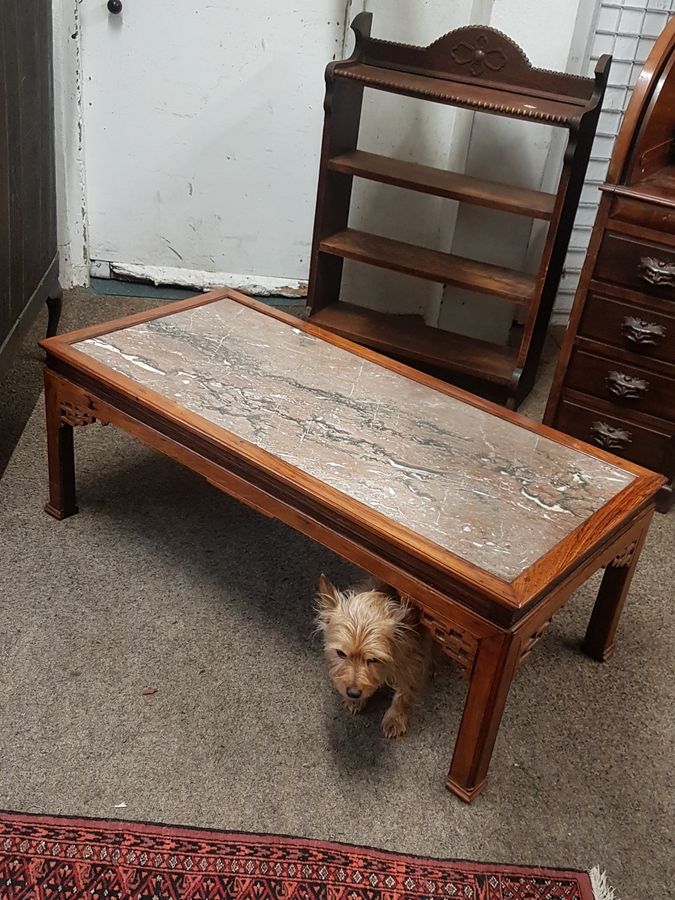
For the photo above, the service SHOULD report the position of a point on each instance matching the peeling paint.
(260, 285)
(70, 144)
(346, 22)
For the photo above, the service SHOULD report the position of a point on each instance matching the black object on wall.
(28, 246)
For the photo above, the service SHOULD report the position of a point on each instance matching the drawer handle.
(610, 438)
(656, 271)
(641, 333)
(626, 387)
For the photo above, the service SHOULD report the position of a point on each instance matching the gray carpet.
(161, 582)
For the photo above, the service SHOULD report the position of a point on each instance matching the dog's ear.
(328, 596)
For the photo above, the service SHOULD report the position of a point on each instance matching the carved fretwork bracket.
(533, 639)
(461, 646)
(77, 416)
(624, 558)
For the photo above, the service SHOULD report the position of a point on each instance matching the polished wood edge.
(605, 656)
(610, 353)
(603, 406)
(462, 793)
(556, 596)
(638, 193)
(642, 232)
(157, 312)
(620, 294)
(600, 528)
(512, 594)
(58, 514)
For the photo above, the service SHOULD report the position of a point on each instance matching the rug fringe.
(601, 889)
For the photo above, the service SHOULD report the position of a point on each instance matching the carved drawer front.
(629, 387)
(635, 328)
(638, 265)
(649, 446)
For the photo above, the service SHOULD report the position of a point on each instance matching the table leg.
(493, 670)
(54, 306)
(61, 456)
(599, 640)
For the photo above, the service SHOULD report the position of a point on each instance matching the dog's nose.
(353, 693)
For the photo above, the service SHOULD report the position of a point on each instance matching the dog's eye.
(341, 654)
(372, 662)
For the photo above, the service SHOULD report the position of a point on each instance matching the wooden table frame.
(486, 625)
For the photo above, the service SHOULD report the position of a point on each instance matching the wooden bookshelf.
(475, 68)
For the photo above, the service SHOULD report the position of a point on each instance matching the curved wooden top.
(475, 67)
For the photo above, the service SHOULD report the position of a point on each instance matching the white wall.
(203, 127)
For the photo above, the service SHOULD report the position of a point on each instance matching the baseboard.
(258, 285)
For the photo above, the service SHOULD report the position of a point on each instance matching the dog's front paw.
(353, 707)
(394, 724)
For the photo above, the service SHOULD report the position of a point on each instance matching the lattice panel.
(76, 416)
(461, 646)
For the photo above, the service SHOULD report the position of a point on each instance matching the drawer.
(626, 386)
(639, 265)
(648, 215)
(647, 446)
(642, 331)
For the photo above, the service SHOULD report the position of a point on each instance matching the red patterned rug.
(46, 857)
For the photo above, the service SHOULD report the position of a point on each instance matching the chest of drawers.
(615, 381)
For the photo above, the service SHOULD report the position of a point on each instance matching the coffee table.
(486, 520)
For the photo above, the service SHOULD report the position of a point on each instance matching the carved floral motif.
(478, 56)
(626, 387)
(608, 437)
(643, 334)
(657, 271)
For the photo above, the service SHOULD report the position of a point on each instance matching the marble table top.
(491, 492)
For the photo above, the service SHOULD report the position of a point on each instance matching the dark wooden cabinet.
(615, 381)
(475, 68)
(28, 246)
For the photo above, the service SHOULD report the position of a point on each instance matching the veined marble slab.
(494, 493)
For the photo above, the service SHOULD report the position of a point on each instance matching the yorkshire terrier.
(373, 638)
